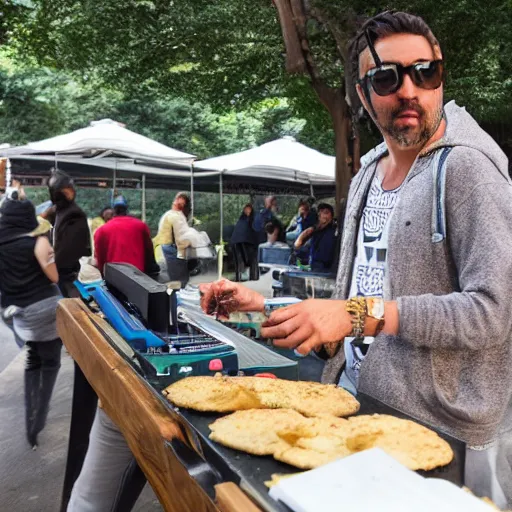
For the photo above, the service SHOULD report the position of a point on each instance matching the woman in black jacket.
(244, 242)
(27, 284)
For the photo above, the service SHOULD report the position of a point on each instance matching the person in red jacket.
(125, 239)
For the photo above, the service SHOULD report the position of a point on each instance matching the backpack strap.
(438, 207)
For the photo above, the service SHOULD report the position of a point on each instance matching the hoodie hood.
(16, 218)
(463, 130)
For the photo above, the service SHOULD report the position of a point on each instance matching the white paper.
(371, 481)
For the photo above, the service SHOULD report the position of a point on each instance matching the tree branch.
(295, 62)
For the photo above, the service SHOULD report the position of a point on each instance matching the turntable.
(171, 338)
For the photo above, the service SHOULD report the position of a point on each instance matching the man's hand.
(308, 325)
(242, 297)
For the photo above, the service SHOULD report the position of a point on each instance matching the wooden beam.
(144, 421)
(230, 498)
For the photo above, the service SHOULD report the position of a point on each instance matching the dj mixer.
(173, 338)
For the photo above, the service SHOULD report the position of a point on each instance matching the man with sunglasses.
(422, 312)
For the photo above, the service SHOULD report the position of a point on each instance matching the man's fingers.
(282, 315)
(295, 338)
(307, 347)
(282, 330)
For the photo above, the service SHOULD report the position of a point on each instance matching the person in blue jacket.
(323, 240)
(266, 215)
(305, 218)
(244, 242)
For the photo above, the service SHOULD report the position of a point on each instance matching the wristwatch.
(374, 315)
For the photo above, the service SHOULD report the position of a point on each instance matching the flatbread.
(224, 394)
(255, 431)
(307, 443)
(414, 445)
(275, 478)
(212, 394)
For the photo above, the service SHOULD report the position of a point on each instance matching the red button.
(215, 365)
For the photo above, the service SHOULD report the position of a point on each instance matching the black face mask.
(58, 181)
(59, 199)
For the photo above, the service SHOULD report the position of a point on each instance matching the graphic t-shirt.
(369, 277)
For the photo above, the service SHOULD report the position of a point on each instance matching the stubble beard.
(408, 136)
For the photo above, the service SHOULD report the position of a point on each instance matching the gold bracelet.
(356, 306)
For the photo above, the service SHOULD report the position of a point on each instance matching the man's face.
(273, 206)
(324, 218)
(411, 115)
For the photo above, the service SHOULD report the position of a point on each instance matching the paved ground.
(31, 481)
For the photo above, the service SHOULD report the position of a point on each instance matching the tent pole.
(114, 183)
(192, 189)
(221, 243)
(311, 190)
(144, 198)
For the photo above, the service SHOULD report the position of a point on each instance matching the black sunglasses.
(386, 79)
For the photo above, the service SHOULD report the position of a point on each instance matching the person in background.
(105, 215)
(125, 239)
(28, 292)
(175, 235)
(244, 244)
(305, 218)
(71, 236)
(266, 215)
(322, 238)
(274, 229)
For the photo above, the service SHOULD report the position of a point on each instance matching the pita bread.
(255, 431)
(275, 478)
(212, 394)
(307, 443)
(224, 394)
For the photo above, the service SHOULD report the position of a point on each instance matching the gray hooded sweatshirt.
(450, 271)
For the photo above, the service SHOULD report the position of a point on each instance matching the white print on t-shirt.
(372, 243)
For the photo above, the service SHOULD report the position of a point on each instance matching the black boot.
(48, 378)
(32, 386)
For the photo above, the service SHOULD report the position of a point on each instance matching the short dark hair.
(378, 27)
(325, 206)
(304, 202)
(271, 226)
(120, 209)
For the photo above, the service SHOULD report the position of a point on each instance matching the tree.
(229, 53)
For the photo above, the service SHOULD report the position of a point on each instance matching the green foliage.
(37, 103)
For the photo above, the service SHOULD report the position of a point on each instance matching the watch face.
(375, 307)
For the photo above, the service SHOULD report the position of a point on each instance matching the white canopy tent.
(107, 144)
(283, 159)
(104, 138)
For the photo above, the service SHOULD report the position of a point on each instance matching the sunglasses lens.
(428, 75)
(385, 81)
